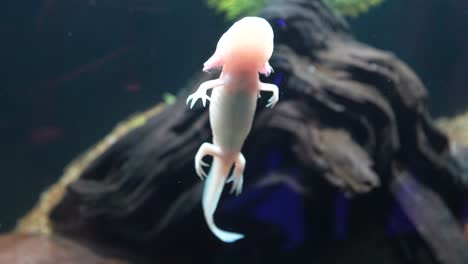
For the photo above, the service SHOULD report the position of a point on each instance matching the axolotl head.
(246, 46)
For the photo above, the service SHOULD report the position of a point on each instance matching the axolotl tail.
(214, 185)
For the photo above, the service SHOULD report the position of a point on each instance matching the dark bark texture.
(350, 119)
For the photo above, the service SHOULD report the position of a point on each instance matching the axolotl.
(242, 52)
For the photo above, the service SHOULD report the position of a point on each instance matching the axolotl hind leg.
(237, 177)
(204, 150)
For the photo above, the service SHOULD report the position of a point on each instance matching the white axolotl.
(243, 52)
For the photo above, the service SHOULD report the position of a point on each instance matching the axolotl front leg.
(202, 90)
(268, 87)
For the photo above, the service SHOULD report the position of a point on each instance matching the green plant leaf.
(237, 8)
(353, 8)
(234, 9)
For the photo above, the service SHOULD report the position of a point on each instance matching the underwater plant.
(169, 98)
(353, 8)
(237, 8)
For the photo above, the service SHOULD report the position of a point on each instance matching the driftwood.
(22, 248)
(350, 119)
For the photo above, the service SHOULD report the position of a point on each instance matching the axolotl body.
(243, 52)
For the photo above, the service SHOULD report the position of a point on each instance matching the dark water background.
(70, 70)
